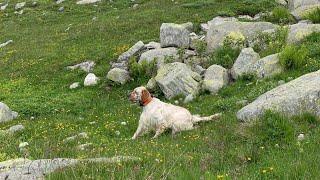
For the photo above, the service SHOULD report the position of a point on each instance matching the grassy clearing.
(34, 82)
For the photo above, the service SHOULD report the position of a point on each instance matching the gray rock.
(177, 79)
(152, 84)
(204, 27)
(236, 31)
(19, 5)
(268, 66)
(120, 65)
(26, 169)
(6, 114)
(199, 69)
(86, 66)
(175, 35)
(5, 43)
(299, 8)
(19, 12)
(293, 98)
(81, 2)
(244, 63)
(134, 50)
(59, 1)
(159, 55)
(4, 7)
(215, 78)
(153, 45)
(91, 80)
(135, 6)
(299, 31)
(15, 129)
(118, 75)
(34, 4)
(82, 135)
(188, 99)
(61, 9)
(246, 17)
(282, 2)
(74, 85)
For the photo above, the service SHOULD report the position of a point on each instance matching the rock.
(118, 75)
(23, 145)
(268, 66)
(117, 133)
(15, 129)
(120, 65)
(37, 169)
(6, 114)
(159, 55)
(282, 2)
(306, 21)
(244, 63)
(123, 123)
(215, 78)
(175, 35)
(34, 4)
(81, 2)
(299, 31)
(19, 12)
(82, 135)
(300, 8)
(85, 146)
(4, 7)
(301, 137)
(236, 31)
(86, 66)
(199, 69)
(188, 99)
(5, 43)
(19, 5)
(91, 80)
(177, 79)
(152, 84)
(134, 50)
(135, 6)
(61, 9)
(246, 17)
(204, 27)
(74, 85)
(153, 45)
(293, 98)
(59, 1)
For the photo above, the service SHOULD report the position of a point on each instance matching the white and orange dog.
(159, 116)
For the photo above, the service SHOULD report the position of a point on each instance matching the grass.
(314, 16)
(34, 82)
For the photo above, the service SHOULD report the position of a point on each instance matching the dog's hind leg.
(159, 131)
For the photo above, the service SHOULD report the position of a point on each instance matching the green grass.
(314, 16)
(34, 82)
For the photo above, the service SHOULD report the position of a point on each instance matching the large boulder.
(300, 8)
(236, 31)
(159, 55)
(244, 63)
(118, 75)
(175, 35)
(298, 32)
(134, 50)
(6, 114)
(215, 78)
(177, 79)
(267, 66)
(293, 98)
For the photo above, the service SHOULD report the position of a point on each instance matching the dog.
(159, 116)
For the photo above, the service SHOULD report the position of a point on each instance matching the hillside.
(34, 81)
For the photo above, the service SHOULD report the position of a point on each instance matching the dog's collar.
(146, 102)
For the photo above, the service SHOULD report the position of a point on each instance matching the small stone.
(23, 145)
(59, 1)
(123, 123)
(117, 133)
(32, 118)
(188, 99)
(135, 6)
(86, 66)
(15, 129)
(74, 85)
(176, 102)
(118, 75)
(61, 9)
(82, 2)
(34, 4)
(92, 122)
(91, 80)
(301, 137)
(2, 8)
(19, 5)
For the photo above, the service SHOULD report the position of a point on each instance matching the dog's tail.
(197, 118)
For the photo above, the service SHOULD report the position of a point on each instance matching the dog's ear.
(145, 95)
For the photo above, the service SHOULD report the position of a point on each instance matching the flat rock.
(300, 8)
(215, 78)
(118, 75)
(6, 114)
(134, 50)
(298, 32)
(86, 66)
(87, 2)
(293, 98)
(159, 55)
(177, 79)
(244, 63)
(175, 35)
(219, 29)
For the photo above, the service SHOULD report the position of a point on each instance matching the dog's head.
(140, 95)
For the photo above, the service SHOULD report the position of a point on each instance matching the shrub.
(224, 56)
(201, 48)
(144, 69)
(280, 15)
(266, 44)
(293, 57)
(314, 16)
